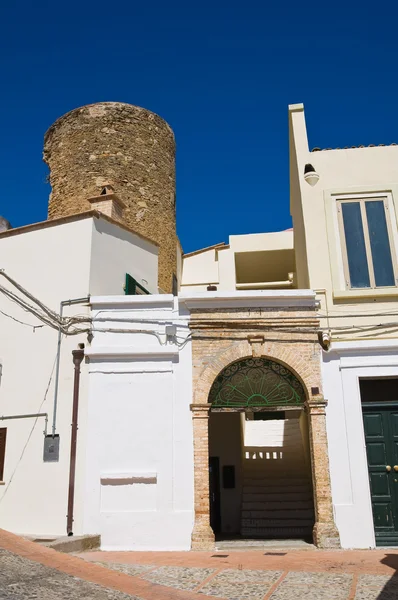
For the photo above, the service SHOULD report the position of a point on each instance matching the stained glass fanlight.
(256, 382)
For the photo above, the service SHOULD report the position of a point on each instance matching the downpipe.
(78, 356)
(56, 382)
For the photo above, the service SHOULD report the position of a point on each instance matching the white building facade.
(260, 401)
(139, 482)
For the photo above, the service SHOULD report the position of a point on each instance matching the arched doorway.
(260, 483)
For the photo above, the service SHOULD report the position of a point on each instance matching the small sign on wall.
(51, 448)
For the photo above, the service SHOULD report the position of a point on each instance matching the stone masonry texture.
(129, 147)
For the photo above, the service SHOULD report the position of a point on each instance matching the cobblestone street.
(23, 579)
(30, 571)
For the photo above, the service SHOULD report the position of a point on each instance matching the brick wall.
(288, 336)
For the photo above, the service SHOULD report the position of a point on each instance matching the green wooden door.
(381, 437)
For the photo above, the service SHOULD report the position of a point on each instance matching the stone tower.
(129, 148)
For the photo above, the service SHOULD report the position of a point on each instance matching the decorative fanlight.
(256, 382)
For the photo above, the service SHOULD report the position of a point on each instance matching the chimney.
(108, 203)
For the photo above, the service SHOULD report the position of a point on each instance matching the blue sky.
(221, 73)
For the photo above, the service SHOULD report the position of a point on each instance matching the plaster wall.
(54, 262)
(116, 252)
(368, 171)
(48, 263)
(246, 254)
(341, 370)
(201, 269)
(255, 242)
(139, 460)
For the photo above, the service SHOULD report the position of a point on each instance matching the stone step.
(276, 522)
(276, 483)
(283, 504)
(275, 496)
(302, 514)
(274, 469)
(277, 532)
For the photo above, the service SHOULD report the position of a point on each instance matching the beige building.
(344, 208)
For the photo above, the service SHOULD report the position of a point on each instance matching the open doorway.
(260, 475)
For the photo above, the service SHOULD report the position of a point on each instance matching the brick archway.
(291, 359)
(304, 363)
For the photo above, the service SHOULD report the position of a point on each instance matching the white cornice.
(133, 302)
(364, 346)
(130, 352)
(249, 299)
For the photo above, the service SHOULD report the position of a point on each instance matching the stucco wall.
(358, 171)
(140, 429)
(51, 265)
(259, 256)
(54, 261)
(341, 370)
(116, 252)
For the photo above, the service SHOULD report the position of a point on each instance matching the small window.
(367, 245)
(3, 435)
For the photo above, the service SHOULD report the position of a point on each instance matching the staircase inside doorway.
(260, 478)
(277, 499)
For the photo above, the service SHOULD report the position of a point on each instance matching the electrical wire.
(34, 327)
(67, 325)
(30, 433)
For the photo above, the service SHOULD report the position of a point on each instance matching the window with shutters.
(3, 435)
(369, 257)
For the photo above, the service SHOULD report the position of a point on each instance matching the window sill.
(373, 293)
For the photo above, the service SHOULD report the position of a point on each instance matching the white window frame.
(336, 244)
(369, 259)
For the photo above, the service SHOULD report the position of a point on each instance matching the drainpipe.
(77, 359)
(61, 310)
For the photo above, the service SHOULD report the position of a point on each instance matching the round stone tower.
(128, 148)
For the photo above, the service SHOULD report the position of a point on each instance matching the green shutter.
(132, 287)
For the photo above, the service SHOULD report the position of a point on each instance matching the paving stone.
(181, 578)
(236, 591)
(128, 569)
(246, 575)
(23, 579)
(378, 581)
(310, 592)
(370, 593)
(319, 578)
(380, 587)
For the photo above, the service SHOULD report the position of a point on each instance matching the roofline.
(219, 246)
(70, 219)
(361, 147)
